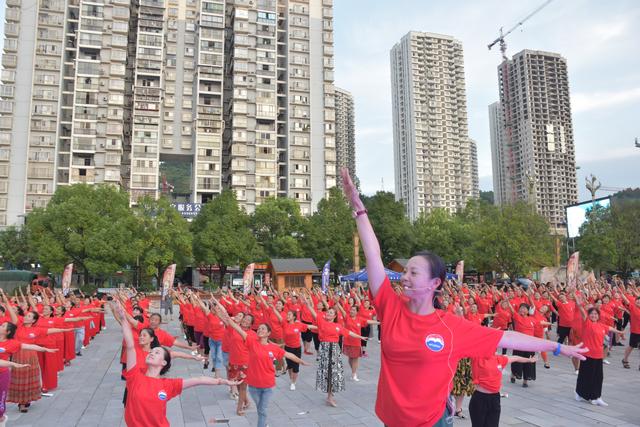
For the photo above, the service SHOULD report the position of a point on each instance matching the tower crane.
(500, 39)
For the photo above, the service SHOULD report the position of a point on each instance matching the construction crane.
(500, 39)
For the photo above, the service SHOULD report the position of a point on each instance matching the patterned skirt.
(462, 381)
(25, 382)
(330, 373)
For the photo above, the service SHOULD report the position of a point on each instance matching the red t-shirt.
(292, 332)
(593, 338)
(566, 311)
(238, 352)
(483, 305)
(523, 324)
(274, 323)
(7, 349)
(538, 327)
(215, 327)
(634, 315)
(354, 325)
(330, 331)
(487, 372)
(147, 399)
(502, 319)
(419, 359)
(261, 372)
(164, 338)
(474, 317)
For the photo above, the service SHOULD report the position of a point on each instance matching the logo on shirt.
(2, 350)
(32, 335)
(271, 354)
(296, 330)
(162, 395)
(499, 367)
(434, 342)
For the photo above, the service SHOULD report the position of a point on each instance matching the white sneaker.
(505, 395)
(599, 402)
(578, 398)
(292, 387)
(606, 362)
(355, 378)
(577, 372)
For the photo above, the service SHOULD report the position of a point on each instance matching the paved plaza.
(90, 394)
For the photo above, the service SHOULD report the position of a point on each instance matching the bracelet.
(557, 350)
(356, 214)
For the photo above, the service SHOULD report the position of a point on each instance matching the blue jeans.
(79, 332)
(215, 352)
(261, 396)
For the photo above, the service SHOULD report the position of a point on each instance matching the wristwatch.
(356, 214)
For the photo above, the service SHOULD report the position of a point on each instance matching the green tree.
(511, 239)
(277, 225)
(441, 233)
(610, 237)
(329, 233)
(221, 234)
(89, 225)
(14, 247)
(162, 236)
(487, 196)
(392, 227)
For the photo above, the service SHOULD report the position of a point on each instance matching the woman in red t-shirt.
(292, 332)
(351, 346)
(261, 371)
(148, 394)
(421, 345)
(524, 324)
(633, 307)
(330, 373)
(484, 406)
(590, 373)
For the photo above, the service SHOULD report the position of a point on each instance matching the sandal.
(546, 366)
(625, 363)
(459, 414)
(23, 408)
(240, 412)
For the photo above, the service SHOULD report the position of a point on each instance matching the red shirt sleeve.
(473, 340)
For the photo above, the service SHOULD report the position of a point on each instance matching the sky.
(600, 41)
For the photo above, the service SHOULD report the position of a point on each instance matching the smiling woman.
(421, 345)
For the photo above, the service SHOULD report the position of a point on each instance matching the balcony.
(9, 61)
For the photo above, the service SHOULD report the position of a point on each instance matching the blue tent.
(361, 276)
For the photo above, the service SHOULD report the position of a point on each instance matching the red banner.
(167, 279)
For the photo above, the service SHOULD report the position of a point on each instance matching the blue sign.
(188, 210)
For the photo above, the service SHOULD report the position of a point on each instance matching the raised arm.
(9, 308)
(370, 245)
(118, 310)
(224, 316)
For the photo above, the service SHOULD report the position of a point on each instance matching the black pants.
(379, 331)
(563, 333)
(316, 341)
(484, 409)
(590, 378)
(365, 332)
(205, 342)
(295, 367)
(625, 320)
(525, 371)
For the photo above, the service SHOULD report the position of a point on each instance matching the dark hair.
(52, 310)
(62, 309)
(36, 316)
(154, 338)
(525, 305)
(167, 358)
(157, 315)
(593, 309)
(11, 330)
(20, 311)
(139, 318)
(2, 309)
(438, 270)
(138, 308)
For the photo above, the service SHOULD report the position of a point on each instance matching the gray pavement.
(90, 394)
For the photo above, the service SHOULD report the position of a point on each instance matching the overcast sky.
(599, 39)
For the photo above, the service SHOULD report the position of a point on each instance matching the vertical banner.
(247, 278)
(167, 279)
(66, 278)
(572, 268)
(326, 274)
(460, 271)
(267, 279)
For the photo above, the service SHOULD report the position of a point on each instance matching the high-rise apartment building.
(433, 154)
(180, 96)
(532, 135)
(345, 132)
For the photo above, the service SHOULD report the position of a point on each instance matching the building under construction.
(532, 135)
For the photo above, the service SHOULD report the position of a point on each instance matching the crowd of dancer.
(41, 333)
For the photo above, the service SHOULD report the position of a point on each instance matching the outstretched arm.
(193, 382)
(370, 245)
(518, 341)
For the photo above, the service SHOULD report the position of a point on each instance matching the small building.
(398, 265)
(292, 273)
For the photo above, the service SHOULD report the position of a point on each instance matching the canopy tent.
(361, 276)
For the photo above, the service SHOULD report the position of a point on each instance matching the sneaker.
(577, 397)
(606, 362)
(599, 402)
(83, 347)
(577, 372)
(292, 387)
(505, 395)
(355, 378)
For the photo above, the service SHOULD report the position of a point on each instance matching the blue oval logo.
(434, 342)
(162, 395)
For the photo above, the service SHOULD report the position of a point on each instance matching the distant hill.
(626, 195)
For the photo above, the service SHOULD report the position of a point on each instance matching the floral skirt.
(330, 374)
(462, 381)
(25, 382)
